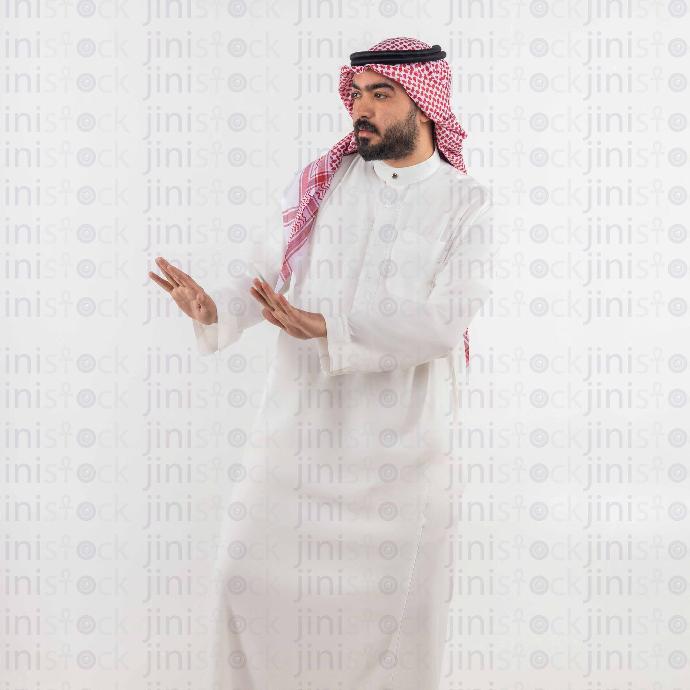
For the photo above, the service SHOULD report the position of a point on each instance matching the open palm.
(189, 296)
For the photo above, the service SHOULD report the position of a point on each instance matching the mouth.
(364, 132)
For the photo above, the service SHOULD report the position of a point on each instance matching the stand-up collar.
(411, 173)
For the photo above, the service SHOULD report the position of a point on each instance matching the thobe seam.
(409, 580)
(454, 383)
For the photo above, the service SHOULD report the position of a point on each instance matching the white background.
(121, 439)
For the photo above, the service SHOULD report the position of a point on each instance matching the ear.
(421, 115)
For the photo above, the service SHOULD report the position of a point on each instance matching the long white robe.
(331, 558)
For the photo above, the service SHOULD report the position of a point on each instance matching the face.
(385, 120)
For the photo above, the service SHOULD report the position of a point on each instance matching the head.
(418, 101)
(387, 123)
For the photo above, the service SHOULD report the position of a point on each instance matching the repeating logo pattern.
(136, 130)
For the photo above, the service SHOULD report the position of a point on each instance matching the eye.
(378, 93)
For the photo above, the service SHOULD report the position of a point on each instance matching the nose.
(362, 108)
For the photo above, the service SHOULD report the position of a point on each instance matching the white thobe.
(331, 557)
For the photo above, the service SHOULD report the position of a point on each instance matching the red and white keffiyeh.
(428, 85)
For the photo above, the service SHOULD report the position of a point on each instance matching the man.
(331, 563)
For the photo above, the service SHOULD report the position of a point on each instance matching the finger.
(269, 317)
(297, 319)
(288, 324)
(271, 295)
(256, 285)
(288, 308)
(278, 314)
(160, 281)
(177, 275)
(259, 297)
(183, 278)
(285, 323)
(165, 267)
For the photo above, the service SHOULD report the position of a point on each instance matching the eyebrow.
(371, 87)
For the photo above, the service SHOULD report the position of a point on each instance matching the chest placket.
(381, 235)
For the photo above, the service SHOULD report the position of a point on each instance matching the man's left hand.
(295, 322)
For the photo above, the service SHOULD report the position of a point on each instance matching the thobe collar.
(408, 174)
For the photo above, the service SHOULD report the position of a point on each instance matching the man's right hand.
(188, 294)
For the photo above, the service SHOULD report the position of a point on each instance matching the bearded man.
(331, 564)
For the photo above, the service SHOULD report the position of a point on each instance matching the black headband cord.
(396, 57)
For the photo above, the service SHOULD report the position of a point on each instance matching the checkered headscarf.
(427, 84)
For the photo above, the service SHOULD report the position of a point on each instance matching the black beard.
(398, 141)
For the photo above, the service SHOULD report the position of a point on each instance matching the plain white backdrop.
(132, 130)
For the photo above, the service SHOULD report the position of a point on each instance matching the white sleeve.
(398, 333)
(237, 308)
(216, 336)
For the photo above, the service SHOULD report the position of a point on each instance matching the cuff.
(334, 347)
(216, 336)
